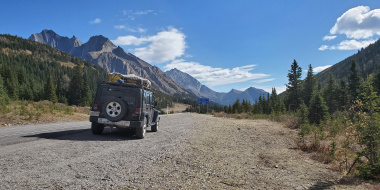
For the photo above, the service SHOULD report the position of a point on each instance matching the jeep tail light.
(94, 107)
(137, 111)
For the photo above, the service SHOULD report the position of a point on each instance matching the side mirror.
(155, 104)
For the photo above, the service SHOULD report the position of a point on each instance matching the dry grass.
(67, 64)
(177, 108)
(24, 112)
(289, 121)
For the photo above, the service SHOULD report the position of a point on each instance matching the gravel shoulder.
(190, 151)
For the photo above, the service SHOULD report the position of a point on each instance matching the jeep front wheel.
(155, 126)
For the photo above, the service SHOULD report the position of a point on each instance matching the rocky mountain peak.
(235, 91)
(185, 79)
(75, 41)
(100, 43)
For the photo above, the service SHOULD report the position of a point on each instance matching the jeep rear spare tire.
(114, 109)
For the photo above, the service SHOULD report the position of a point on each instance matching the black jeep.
(124, 103)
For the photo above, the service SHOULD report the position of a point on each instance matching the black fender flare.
(155, 116)
(143, 115)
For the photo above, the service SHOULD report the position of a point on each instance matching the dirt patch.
(177, 108)
(67, 64)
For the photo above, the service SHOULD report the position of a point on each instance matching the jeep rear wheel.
(115, 109)
(96, 128)
(141, 130)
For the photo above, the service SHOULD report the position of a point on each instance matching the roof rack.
(129, 80)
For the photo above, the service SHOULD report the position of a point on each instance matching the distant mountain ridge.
(193, 85)
(99, 50)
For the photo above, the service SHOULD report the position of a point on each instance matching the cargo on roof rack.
(130, 79)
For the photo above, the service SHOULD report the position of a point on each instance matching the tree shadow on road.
(86, 135)
(322, 185)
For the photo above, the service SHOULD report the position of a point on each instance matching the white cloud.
(129, 40)
(279, 89)
(165, 46)
(323, 47)
(264, 80)
(328, 38)
(131, 14)
(95, 21)
(358, 23)
(348, 45)
(129, 29)
(137, 30)
(216, 76)
(321, 68)
(120, 26)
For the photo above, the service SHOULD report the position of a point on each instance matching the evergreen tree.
(236, 107)
(376, 83)
(354, 81)
(50, 90)
(269, 107)
(293, 87)
(4, 99)
(75, 93)
(330, 94)
(318, 111)
(274, 104)
(309, 86)
(370, 134)
(86, 101)
(341, 92)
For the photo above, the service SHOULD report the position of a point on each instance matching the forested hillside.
(368, 60)
(34, 71)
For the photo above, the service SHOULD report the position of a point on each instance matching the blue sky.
(224, 44)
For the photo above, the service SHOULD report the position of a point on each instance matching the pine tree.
(309, 86)
(86, 98)
(75, 93)
(370, 134)
(4, 99)
(318, 111)
(330, 94)
(236, 107)
(293, 87)
(50, 90)
(376, 83)
(354, 81)
(341, 92)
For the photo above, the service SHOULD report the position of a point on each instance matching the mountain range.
(101, 51)
(193, 85)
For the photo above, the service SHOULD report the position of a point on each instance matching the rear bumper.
(122, 123)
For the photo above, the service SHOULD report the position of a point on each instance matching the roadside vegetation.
(29, 112)
(338, 123)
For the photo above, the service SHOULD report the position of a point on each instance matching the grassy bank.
(27, 112)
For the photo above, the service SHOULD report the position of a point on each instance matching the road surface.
(189, 151)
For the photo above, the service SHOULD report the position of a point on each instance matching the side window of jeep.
(146, 101)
